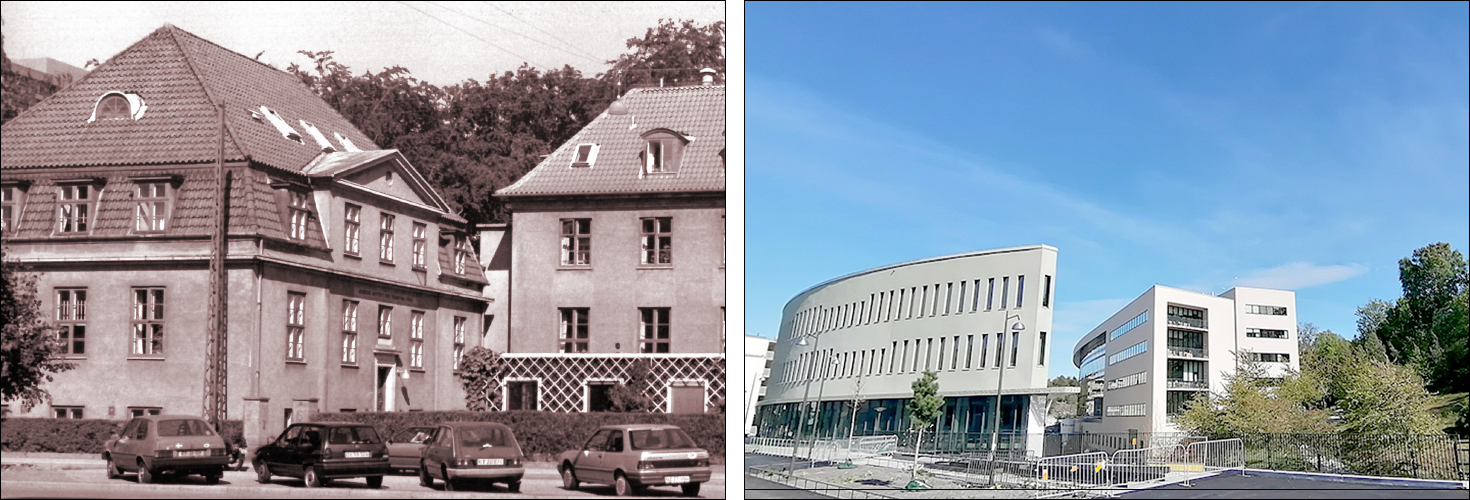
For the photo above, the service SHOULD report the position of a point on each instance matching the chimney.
(709, 76)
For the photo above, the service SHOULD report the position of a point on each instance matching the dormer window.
(663, 151)
(151, 214)
(462, 253)
(585, 156)
(300, 212)
(118, 106)
(280, 123)
(11, 195)
(75, 207)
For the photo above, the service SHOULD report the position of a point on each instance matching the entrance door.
(382, 388)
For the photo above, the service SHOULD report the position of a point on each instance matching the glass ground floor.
(965, 424)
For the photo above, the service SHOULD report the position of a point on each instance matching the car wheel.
(515, 486)
(424, 479)
(569, 480)
(691, 489)
(310, 477)
(622, 486)
(262, 473)
(145, 476)
(448, 481)
(375, 482)
(112, 470)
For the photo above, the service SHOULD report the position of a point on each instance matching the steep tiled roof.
(697, 112)
(180, 77)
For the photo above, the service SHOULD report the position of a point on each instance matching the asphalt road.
(89, 483)
(757, 488)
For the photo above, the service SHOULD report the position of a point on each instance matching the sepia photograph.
(398, 249)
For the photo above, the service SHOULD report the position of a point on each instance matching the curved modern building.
(871, 334)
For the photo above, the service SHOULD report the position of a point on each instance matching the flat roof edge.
(927, 260)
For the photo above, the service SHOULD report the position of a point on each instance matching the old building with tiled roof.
(352, 284)
(616, 246)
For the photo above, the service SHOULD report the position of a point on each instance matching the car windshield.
(416, 435)
(353, 435)
(184, 428)
(481, 436)
(660, 439)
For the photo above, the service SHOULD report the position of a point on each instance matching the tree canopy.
(28, 348)
(1428, 326)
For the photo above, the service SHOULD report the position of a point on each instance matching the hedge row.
(64, 435)
(544, 435)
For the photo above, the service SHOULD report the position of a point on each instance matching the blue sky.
(1201, 146)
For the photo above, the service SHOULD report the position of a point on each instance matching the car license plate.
(191, 453)
(359, 454)
(490, 461)
(676, 479)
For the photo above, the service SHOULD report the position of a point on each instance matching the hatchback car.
(632, 457)
(406, 448)
(166, 444)
(320, 451)
(473, 450)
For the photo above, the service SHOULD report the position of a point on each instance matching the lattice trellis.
(563, 377)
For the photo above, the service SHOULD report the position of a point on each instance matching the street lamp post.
(999, 380)
(827, 368)
(801, 418)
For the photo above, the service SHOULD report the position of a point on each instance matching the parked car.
(320, 451)
(472, 450)
(406, 449)
(151, 445)
(632, 457)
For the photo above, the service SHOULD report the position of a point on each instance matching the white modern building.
(760, 353)
(871, 334)
(1169, 345)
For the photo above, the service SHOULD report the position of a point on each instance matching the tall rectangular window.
(894, 359)
(941, 353)
(929, 355)
(990, 295)
(1000, 343)
(462, 252)
(657, 240)
(71, 321)
(1020, 289)
(961, 302)
(655, 329)
(934, 308)
(151, 214)
(1015, 346)
(882, 354)
(9, 206)
(970, 353)
(573, 332)
(924, 300)
(300, 211)
(1005, 289)
(458, 339)
(576, 242)
(349, 332)
(904, 365)
(351, 229)
(385, 238)
(948, 298)
(74, 208)
(416, 339)
(984, 348)
(420, 245)
(1046, 292)
(385, 322)
(954, 355)
(901, 301)
(1041, 358)
(295, 326)
(148, 321)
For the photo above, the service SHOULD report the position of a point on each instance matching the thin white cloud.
(1299, 275)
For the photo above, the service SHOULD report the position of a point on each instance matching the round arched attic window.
(114, 106)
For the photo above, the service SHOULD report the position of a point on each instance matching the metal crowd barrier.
(1083, 470)
(824, 488)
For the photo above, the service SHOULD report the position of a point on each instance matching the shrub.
(544, 435)
(64, 435)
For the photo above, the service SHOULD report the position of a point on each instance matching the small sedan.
(320, 451)
(632, 457)
(406, 448)
(166, 444)
(472, 450)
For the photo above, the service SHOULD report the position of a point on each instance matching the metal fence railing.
(1083, 470)
(1408, 456)
(780, 475)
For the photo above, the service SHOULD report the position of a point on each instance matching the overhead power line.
(513, 32)
(527, 23)
(472, 35)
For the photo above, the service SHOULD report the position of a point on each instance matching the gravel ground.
(890, 482)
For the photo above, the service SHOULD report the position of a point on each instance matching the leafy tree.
(480, 371)
(924, 409)
(28, 346)
(1427, 327)
(1249, 406)
(1384, 398)
(671, 54)
(632, 395)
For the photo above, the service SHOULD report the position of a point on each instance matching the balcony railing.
(1175, 383)
(1187, 352)
(1188, 322)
